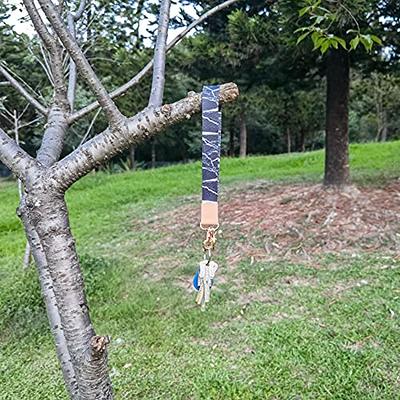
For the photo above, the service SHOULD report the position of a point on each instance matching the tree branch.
(71, 20)
(160, 51)
(40, 27)
(53, 47)
(110, 109)
(72, 66)
(13, 157)
(142, 126)
(16, 85)
(139, 76)
(79, 12)
(46, 284)
(199, 21)
(53, 137)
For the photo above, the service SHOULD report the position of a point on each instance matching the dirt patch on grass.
(265, 222)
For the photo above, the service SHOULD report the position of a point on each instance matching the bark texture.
(53, 315)
(48, 154)
(337, 118)
(160, 52)
(47, 212)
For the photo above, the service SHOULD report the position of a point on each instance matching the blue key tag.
(196, 284)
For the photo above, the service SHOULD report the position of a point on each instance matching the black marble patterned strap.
(211, 143)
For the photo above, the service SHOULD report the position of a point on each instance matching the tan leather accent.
(209, 213)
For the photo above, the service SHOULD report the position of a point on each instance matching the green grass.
(327, 329)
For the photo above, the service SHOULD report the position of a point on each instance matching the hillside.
(305, 304)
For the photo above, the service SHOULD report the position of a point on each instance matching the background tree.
(340, 28)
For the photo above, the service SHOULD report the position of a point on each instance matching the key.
(213, 268)
(202, 267)
(202, 278)
(200, 295)
(207, 284)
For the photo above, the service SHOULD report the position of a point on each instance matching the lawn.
(318, 327)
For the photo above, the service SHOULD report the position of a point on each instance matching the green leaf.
(341, 41)
(304, 11)
(367, 42)
(302, 37)
(354, 42)
(376, 39)
(319, 42)
(315, 36)
(325, 46)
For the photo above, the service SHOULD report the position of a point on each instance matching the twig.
(141, 74)
(16, 85)
(90, 127)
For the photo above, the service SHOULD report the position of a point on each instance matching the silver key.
(213, 268)
(207, 284)
(202, 275)
(202, 272)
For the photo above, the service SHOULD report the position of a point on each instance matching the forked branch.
(142, 126)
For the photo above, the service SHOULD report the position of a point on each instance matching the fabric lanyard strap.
(211, 155)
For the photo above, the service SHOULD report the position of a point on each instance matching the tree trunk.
(337, 119)
(46, 212)
(243, 135)
(288, 140)
(302, 140)
(132, 158)
(52, 310)
(231, 142)
(153, 153)
(384, 126)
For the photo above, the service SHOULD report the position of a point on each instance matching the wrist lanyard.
(211, 155)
